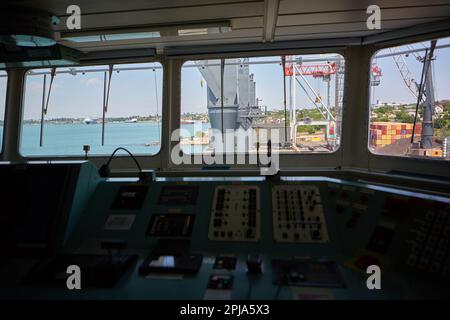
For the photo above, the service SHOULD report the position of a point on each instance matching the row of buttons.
(298, 214)
(429, 244)
(235, 214)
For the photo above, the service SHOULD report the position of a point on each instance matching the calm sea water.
(68, 139)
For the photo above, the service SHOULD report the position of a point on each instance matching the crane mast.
(428, 105)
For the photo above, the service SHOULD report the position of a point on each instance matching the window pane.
(253, 101)
(398, 126)
(75, 110)
(196, 96)
(3, 85)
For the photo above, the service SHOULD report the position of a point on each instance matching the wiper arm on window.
(45, 103)
(106, 87)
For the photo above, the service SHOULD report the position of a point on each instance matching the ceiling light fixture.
(113, 36)
(148, 32)
(203, 31)
(270, 19)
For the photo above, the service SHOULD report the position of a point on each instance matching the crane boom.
(404, 71)
(315, 70)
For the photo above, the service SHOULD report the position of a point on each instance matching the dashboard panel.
(288, 232)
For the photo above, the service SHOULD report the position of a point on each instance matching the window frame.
(383, 160)
(94, 157)
(2, 145)
(288, 161)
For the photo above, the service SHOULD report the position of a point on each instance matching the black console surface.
(97, 270)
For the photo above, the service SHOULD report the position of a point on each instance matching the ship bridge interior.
(230, 149)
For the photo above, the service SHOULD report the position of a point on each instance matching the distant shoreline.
(75, 121)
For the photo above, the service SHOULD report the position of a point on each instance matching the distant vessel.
(89, 121)
(187, 121)
(134, 120)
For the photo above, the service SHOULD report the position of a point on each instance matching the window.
(302, 103)
(410, 101)
(101, 106)
(3, 85)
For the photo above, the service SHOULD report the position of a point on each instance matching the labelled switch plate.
(225, 262)
(178, 195)
(220, 281)
(298, 214)
(171, 225)
(235, 214)
(130, 197)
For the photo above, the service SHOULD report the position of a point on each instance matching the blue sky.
(269, 86)
(392, 87)
(134, 92)
(131, 93)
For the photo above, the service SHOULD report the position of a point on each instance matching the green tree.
(403, 116)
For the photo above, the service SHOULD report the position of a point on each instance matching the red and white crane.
(298, 70)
